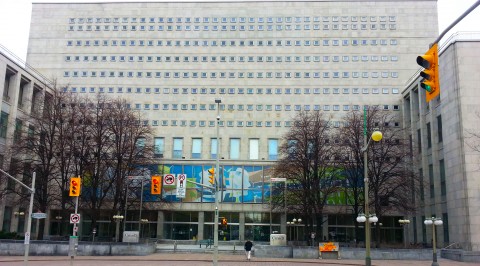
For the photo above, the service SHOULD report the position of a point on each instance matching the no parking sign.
(181, 185)
(169, 180)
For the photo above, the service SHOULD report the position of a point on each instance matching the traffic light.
(211, 177)
(224, 222)
(156, 186)
(75, 184)
(430, 82)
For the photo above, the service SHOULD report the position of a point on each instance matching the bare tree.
(39, 148)
(99, 139)
(112, 143)
(310, 165)
(392, 181)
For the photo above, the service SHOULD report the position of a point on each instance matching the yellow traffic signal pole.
(73, 243)
(30, 210)
(475, 5)
(429, 61)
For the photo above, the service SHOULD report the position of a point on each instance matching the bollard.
(175, 246)
(234, 245)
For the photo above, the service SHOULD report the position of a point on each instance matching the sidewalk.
(206, 259)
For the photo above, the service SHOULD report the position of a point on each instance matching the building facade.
(443, 139)
(265, 61)
(23, 91)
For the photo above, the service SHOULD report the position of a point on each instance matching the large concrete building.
(23, 91)
(444, 134)
(265, 60)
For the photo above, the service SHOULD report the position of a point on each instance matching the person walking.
(248, 248)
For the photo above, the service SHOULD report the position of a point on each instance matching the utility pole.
(30, 210)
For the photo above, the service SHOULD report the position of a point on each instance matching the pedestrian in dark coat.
(248, 248)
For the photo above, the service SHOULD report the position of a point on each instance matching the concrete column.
(241, 226)
(14, 221)
(2, 211)
(324, 228)
(48, 220)
(160, 223)
(201, 225)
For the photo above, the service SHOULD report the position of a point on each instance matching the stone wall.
(60, 248)
(266, 251)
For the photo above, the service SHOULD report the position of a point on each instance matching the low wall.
(267, 251)
(60, 248)
(460, 255)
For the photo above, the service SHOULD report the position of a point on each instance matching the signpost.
(74, 218)
(39, 215)
(277, 179)
(30, 210)
(168, 180)
(181, 185)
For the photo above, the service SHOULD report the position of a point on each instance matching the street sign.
(39, 215)
(168, 180)
(181, 185)
(27, 238)
(74, 218)
(278, 179)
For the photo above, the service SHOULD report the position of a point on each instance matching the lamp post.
(434, 222)
(295, 222)
(117, 218)
(372, 218)
(142, 223)
(288, 229)
(376, 136)
(217, 179)
(404, 223)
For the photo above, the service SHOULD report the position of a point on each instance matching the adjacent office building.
(265, 61)
(23, 90)
(442, 134)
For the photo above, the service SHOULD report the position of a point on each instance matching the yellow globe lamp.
(377, 136)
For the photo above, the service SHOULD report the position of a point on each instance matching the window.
(431, 181)
(159, 147)
(3, 125)
(177, 148)
(429, 135)
(196, 148)
(213, 148)
(253, 151)
(273, 149)
(443, 186)
(439, 128)
(234, 148)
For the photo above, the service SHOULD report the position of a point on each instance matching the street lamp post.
(142, 224)
(295, 222)
(404, 224)
(372, 218)
(376, 136)
(434, 222)
(117, 218)
(217, 179)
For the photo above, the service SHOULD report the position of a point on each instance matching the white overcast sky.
(15, 20)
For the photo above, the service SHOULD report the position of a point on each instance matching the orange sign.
(328, 246)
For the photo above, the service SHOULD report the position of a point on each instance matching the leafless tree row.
(99, 139)
(324, 167)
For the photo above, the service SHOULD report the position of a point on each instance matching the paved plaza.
(195, 259)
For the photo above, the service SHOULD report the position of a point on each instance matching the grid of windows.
(223, 75)
(258, 91)
(303, 23)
